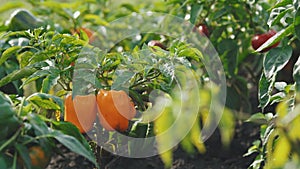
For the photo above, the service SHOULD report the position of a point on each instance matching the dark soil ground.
(216, 157)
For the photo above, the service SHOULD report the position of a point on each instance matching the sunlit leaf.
(257, 118)
(10, 5)
(8, 53)
(17, 75)
(281, 152)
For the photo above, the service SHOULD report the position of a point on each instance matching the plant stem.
(21, 107)
(37, 137)
(10, 140)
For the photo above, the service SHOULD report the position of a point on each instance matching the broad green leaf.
(5, 161)
(71, 130)
(45, 96)
(24, 153)
(17, 75)
(44, 103)
(220, 13)
(49, 82)
(297, 23)
(36, 75)
(122, 81)
(8, 53)
(276, 38)
(5, 107)
(39, 126)
(24, 58)
(74, 145)
(195, 11)
(276, 59)
(229, 57)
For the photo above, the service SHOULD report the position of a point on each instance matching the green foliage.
(24, 128)
(45, 52)
(275, 148)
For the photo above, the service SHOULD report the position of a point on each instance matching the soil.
(216, 157)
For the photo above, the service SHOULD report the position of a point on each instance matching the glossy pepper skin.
(115, 109)
(260, 39)
(81, 111)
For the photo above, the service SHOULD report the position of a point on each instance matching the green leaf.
(5, 107)
(70, 129)
(296, 74)
(130, 7)
(195, 11)
(8, 53)
(38, 74)
(276, 38)
(282, 3)
(278, 16)
(56, 99)
(257, 118)
(276, 59)
(49, 82)
(10, 5)
(39, 127)
(24, 153)
(265, 88)
(219, 13)
(122, 80)
(95, 19)
(74, 145)
(297, 23)
(43, 103)
(229, 50)
(17, 75)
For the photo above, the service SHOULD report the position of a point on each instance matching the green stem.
(36, 138)
(10, 140)
(15, 161)
(21, 107)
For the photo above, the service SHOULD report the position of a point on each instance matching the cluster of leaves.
(44, 57)
(279, 142)
(22, 127)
